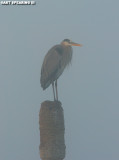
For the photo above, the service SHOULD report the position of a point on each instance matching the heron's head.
(68, 42)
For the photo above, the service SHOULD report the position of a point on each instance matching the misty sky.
(88, 89)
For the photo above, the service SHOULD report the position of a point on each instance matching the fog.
(88, 89)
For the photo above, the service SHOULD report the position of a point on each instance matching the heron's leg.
(56, 90)
(53, 90)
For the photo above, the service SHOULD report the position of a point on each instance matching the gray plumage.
(55, 61)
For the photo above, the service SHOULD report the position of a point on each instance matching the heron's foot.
(57, 102)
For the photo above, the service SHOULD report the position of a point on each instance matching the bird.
(55, 61)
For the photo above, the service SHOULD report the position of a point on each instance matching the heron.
(55, 61)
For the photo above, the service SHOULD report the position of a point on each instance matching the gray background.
(88, 90)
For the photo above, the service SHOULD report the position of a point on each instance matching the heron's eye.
(69, 41)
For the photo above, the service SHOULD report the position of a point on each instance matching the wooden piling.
(51, 121)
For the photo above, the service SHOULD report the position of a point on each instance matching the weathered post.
(51, 121)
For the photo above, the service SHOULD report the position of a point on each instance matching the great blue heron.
(55, 61)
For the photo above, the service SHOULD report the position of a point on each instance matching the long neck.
(67, 55)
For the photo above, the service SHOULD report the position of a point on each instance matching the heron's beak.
(76, 44)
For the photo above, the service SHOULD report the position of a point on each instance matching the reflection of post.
(51, 121)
